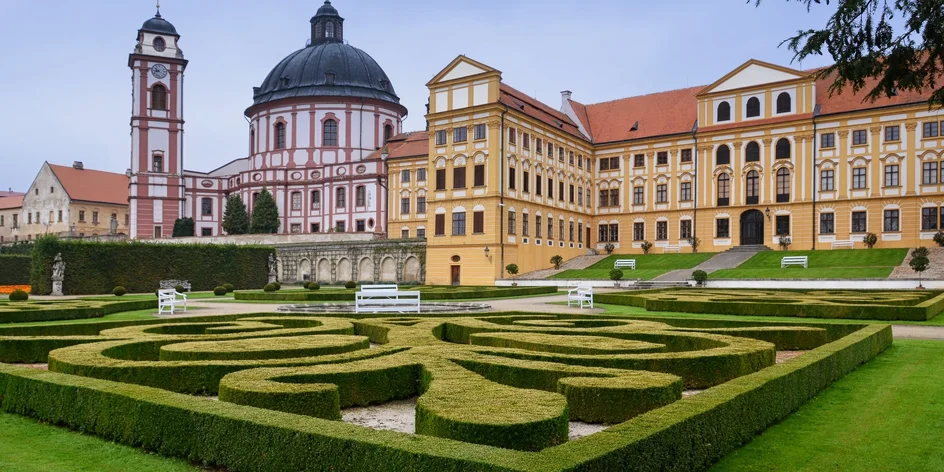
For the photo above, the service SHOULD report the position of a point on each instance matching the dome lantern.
(327, 25)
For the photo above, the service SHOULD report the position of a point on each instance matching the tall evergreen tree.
(235, 219)
(265, 214)
(184, 227)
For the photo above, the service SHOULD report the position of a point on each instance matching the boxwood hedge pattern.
(427, 293)
(494, 392)
(33, 311)
(915, 305)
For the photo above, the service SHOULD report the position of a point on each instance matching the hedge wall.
(14, 269)
(98, 267)
(29, 312)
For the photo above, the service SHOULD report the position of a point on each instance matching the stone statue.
(273, 268)
(114, 224)
(58, 272)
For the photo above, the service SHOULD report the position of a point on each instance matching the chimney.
(78, 165)
(565, 95)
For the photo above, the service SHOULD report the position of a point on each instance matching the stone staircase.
(577, 263)
(752, 248)
(723, 260)
(935, 269)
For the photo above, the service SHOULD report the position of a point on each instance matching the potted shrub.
(694, 242)
(616, 275)
(870, 239)
(119, 291)
(609, 248)
(784, 242)
(646, 246)
(700, 277)
(557, 261)
(919, 262)
(512, 270)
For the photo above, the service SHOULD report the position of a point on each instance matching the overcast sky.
(65, 91)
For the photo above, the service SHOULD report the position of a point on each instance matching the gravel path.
(918, 332)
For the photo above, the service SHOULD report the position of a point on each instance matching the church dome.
(327, 67)
(159, 25)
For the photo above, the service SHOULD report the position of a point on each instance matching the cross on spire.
(158, 8)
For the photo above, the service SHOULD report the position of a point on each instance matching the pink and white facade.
(314, 121)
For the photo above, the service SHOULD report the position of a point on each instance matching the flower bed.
(8, 289)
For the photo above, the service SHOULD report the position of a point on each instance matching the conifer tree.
(235, 219)
(265, 214)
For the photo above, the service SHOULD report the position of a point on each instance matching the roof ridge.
(644, 95)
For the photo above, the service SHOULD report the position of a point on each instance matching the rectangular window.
(440, 225)
(560, 154)
(360, 195)
(458, 224)
(405, 233)
(892, 133)
(421, 233)
(550, 228)
(460, 134)
(783, 225)
(662, 193)
(614, 197)
(526, 141)
(512, 223)
(512, 178)
(580, 161)
(859, 222)
(639, 160)
(537, 226)
(639, 196)
(539, 146)
(420, 205)
(316, 199)
(859, 137)
(570, 156)
(930, 129)
(340, 197)
(405, 206)
(685, 229)
(662, 158)
(525, 225)
(478, 222)
(891, 176)
(571, 194)
(405, 176)
(316, 227)
(525, 181)
(580, 196)
(560, 190)
(891, 220)
(29, 217)
(614, 232)
(724, 228)
(158, 163)
(440, 179)
(827, 180)
(686, 192)
(827, 140)
(295, 228)
(604, 164)
(662, 230)
(441, 137)
(826, 223)
(929, 173)
(859, 177)
(479, 131)
(929, 218)
(604, 198)
(81, 216)
(421, 175)
(478, 175)
(206, 204)
(340, 226)
(538, 181)
(580, 233)
(614, 163)
(458, 177)
(550, 150)
(550, 187)
(686, 155)
(639, 231)
(360, 226)
(512, 136)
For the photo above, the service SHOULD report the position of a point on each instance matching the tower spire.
(158, 15)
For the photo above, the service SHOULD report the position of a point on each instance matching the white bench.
(794, 260)
(386, 299)
(621, 263)
(582, 294)
(671, 248)
(167, 299)
(846, 243)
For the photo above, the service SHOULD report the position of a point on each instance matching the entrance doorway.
(455, 275)
(752, 228)
(588, 237)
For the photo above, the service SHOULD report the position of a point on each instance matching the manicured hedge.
(98, 267)
(14, 269)
(427, 293)
(28, 312)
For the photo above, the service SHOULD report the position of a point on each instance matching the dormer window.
(783, 103)
(724, 111)
(284, 81)
(159, 44)
(384, 83)
(329, 78)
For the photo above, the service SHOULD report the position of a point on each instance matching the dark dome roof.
(159, 25)
(308, 73)
(327, 9)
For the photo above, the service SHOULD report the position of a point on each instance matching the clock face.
(159, 71)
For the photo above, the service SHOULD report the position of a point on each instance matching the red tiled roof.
(8, 203)
(850, 101)
(658, 114)
(409, 144)
(521, 102)
(9, 193)
(93, 185)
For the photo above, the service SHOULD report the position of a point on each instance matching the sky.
(65, 89)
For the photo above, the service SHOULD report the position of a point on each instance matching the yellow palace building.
(763, 152)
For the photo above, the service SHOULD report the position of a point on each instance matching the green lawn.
(838, 264)
(886, 415)
(29, 446)
(648, 266)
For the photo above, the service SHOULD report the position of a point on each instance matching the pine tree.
(265, 214)
(235, 220)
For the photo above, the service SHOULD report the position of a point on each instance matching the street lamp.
(767, 213)
(487, 251)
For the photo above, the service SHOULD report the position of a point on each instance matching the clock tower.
(156, 191)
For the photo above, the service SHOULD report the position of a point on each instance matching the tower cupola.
(327, 25)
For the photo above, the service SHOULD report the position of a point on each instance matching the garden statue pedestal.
(57, 286)
(58, 272)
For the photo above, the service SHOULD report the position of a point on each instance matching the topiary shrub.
(269, 288)
(700, 277)
(616, 275)
(229, 287)
(220, 291)
(646, 246)
(306, 284)
(19, 296)
(119, 291)
(609, 248)
(870, 239)
(350, 284)
(313, 286)
(278, 286)
(939, 238)
(179, 288)
(557, 260)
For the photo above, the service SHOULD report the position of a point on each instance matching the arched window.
(330, 132)
(783, 102)
(783, 185)
(340, 197)
(753, 107)
(753, 187)
(724, 190)
(280, 135)
(724, 111)
(388, 133)
(723, 155)
(252, 140)
(752, 152)
(329, 30)
(783, 148)
(158, 97)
